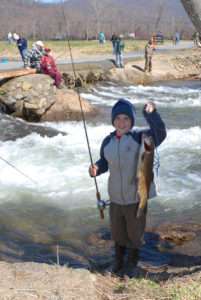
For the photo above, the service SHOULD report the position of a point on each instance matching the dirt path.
(182, 64)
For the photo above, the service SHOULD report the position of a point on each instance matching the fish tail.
(140, 212)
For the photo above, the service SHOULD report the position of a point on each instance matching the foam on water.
(180, 174)
(60, 166)
(165, 96)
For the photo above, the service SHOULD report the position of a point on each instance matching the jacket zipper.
(122, 196)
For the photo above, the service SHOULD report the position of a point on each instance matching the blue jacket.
(119, 46)
(120, 156)
(22, 44)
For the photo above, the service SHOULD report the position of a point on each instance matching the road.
(99, 58)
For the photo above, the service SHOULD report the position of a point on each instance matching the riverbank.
(180, 64)
(40, 281)
(167, 65)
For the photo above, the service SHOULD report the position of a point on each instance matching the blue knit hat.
(123, 106)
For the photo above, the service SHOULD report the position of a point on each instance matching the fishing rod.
(18, 170)
(101, 203)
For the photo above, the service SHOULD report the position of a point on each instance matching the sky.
(51, 1)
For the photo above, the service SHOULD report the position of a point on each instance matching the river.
(58, 212)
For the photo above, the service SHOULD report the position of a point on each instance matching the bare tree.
(159, 14)
(99, 8)
(87, 18)
(193, 8)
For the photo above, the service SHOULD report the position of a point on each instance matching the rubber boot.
(133, 258)
(119, 258)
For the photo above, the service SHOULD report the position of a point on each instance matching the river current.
(60, 209)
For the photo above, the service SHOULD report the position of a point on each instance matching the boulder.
(28, 97)
(82, 78)
(178, 233)
(67, 107)
(13, 128)
(35, 98)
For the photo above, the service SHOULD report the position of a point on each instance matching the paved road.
(98, 58)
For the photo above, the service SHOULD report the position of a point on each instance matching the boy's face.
(122, 124)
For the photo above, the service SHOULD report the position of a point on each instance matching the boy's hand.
(149, 107)
(93, 170)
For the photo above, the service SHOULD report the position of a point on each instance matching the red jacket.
(47, 64)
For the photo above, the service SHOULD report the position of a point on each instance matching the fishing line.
(19, 171)
(101, 203)
(156, 164)
(157, 155)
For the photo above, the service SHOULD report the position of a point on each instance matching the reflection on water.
(32, 232)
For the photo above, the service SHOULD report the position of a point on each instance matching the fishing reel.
(102, 205)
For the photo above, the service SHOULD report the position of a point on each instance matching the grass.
(79, 48)
(183, 288)
(186, 290)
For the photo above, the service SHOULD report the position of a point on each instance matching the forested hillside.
(85, 18)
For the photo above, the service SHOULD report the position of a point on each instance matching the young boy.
(119, 153)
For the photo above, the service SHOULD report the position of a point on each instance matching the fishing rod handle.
(101, 213)
(101, 209)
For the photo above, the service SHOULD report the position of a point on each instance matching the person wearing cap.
(36, 54)
(49, 67)
(22, 47)
(119, 154)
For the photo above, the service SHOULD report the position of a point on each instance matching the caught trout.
(144, 172)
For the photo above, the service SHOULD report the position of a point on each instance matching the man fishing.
(119, 154)
(148, 53)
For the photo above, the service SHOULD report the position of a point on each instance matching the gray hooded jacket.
(120, 156)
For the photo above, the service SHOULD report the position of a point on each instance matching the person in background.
(119, 154)
(118, 51)
(101, 37)
(36, 54)
(176, 38)
(148, 56)
(10, 38)
(48, 66)
(22, 47)
(113, 40)
(197, 39)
